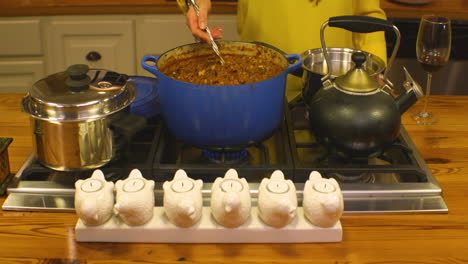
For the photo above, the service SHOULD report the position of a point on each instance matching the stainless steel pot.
(71, 114)
(315, 67)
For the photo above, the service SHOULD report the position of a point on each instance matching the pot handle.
(293, 67)
(152, 69)
(360, 24)
(297, 72)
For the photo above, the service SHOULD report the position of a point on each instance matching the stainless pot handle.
(360, 24)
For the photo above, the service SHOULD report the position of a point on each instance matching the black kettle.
(353, 115)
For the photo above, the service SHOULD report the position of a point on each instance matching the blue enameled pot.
(222, 116)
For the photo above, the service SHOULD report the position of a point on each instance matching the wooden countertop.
(27, 237)
(455, 9)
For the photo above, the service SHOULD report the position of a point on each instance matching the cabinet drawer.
(104, 44)
(20, 37)
(19, 76)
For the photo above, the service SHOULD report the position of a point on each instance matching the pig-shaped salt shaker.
(183, 200)
(323, 200)
(277, 200)
(230, 200)
(94, 199)
(134, 199)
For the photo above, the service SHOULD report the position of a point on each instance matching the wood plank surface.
(455, 9)
(87, 7)
(32, 237)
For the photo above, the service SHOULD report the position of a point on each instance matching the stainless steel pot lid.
(79, 94)
(314, 61)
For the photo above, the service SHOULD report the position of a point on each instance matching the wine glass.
(432, 50)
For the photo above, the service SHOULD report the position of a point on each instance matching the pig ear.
(217, 181)
(231, 174)
(315, 175)
(199, 183)
(180, 174)
(334, 182)
(110, 185)
(78, 184)
(98, 174)
(264, 182)
(135, 173)
(244, 181)
(307, 185)
(151, 184)
(292, 187)
(277, 175)
(166, 185)
(118, 184)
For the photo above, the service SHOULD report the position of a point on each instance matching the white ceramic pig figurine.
(277, 200)
(183, 199)
(134, 199)
(230, 200)
(94, 199)
(323, 200)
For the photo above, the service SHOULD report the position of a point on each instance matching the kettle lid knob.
(358, 58)
(358, 79)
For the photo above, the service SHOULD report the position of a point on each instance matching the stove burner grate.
(364, 177)
(226, 157)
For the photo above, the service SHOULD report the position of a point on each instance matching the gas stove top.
(398, 181)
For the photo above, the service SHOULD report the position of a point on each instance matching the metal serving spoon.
(207, 29)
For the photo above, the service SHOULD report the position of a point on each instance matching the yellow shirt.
(294, 26)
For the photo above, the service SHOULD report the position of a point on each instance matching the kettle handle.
(360, 24)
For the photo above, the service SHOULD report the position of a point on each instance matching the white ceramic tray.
(160, 230)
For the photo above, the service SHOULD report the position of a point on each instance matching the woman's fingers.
(198, 23)
(217, 32)
(192, 23)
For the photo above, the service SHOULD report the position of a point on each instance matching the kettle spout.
(412, 94)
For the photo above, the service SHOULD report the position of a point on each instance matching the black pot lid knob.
(78, 80)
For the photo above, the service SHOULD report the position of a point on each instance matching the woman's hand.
(197, 24)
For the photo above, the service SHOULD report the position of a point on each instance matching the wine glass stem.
(428, 91)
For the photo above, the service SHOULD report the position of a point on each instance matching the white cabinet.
(20, 37)
(19, 76)
(21, 53)
(74, 41)
(34, 47)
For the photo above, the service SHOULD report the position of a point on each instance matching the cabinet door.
(105, 44)
(19, 76)
(20, 37)
(160, 33)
